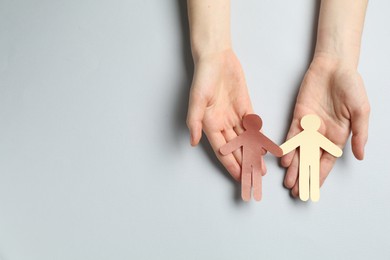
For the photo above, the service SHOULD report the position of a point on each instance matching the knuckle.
(286, 161)
(195, 96)
(191, 122)
(363, 110)
(366, 109)
(289, 181)
(188, 122)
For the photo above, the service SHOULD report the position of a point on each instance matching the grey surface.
(95, 161)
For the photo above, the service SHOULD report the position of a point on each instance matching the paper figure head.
(311, 122)
(252, 122)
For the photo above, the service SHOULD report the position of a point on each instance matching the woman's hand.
(218, 101)
(335, 92)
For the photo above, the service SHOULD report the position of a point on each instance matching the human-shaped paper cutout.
(253, 145)
(309, 142)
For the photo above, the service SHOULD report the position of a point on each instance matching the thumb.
(196, 109)
(359, 125)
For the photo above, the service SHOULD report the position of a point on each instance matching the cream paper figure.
(309, 142)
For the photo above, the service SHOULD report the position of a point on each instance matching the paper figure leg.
(304, 176)
(256, 181)
(315, 182)
(246, 181)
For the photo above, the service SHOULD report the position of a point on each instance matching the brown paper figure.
(253, 145)
(310, 141)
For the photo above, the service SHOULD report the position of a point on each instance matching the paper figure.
(309, 142)
(253, 145)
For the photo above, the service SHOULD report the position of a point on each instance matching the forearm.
(340, 29)
(209, 26)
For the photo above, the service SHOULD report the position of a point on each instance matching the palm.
(228, 100)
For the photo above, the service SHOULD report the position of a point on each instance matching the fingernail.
(192, 139)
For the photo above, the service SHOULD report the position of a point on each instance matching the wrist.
(209, 46)
(330, 64)
(339, 46)
(209, 27)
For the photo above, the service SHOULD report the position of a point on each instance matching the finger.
(217, 140)
(229, 135)
(326, 163)
(239, 129)
(196, 109)
(292, 172)
(359, 121)
(295, 190)
(294, 130)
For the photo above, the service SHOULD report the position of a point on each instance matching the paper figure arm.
(231, 146)
(271, 146)
(329, 147)
(291, 144)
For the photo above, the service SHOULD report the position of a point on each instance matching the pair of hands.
(334, 91)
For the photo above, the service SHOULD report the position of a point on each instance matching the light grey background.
(95, 161)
